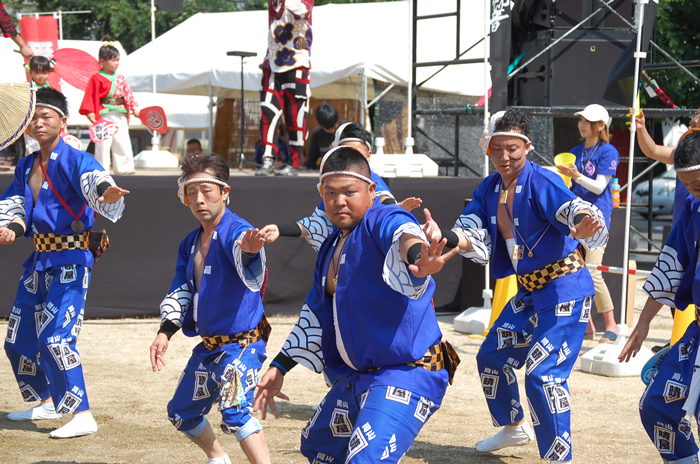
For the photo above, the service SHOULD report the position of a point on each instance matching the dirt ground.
(128, 401)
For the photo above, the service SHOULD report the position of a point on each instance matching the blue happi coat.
(543, 210)
(380, 316)
(228, 301)
(75, 175)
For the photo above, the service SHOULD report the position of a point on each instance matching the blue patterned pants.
(546, 342)
(42, 332)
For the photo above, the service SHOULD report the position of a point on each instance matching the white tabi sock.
(40, 412)
(81, 424)
(222, 460)
(510, 435)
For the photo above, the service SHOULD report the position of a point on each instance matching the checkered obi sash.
(261, 332)
(565, 266)
(438, 357)
(114, 101)
(96, 242)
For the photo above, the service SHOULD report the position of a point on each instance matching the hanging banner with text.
(41, 35)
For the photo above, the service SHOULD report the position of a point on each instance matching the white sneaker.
(40, 412)
(510, 435)
(81, 424)
(222, 460)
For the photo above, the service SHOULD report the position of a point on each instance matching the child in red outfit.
(108, 97)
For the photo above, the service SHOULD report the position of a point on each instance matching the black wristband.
(451, 236)
(102, 188)
(413, 253)
(289, 230)
(169, 328)
(580, 217)
(285, 362)
(389, 201)
(17, 228)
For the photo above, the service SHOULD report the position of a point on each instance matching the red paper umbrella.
(75, 66)
(154, 118)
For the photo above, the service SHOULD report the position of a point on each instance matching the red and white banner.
(41, 35)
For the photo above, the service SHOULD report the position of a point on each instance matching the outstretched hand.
(587, 228)
(430, 228)
(7, 236)
(410, 203)
(270, 386)
(431, 258)
(271, 232)
(113, 194)
(252, 242)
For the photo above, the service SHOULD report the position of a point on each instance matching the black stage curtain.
(134, 275)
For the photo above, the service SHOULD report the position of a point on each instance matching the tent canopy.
(347, 39)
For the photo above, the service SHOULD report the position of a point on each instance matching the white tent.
(348, 40)
(182, 111)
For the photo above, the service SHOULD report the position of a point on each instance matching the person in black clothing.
(323, 135)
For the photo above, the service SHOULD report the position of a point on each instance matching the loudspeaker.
(574, 72)
(547, 14)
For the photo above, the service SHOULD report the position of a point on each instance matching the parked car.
(664, 192)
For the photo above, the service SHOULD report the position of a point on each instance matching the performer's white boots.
(223, 460)
(41, 412)
(510, 435)
(81, 424)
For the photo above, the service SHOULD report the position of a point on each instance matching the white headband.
(57, 110)
(492, 132)
(338, 141)
(325, 158)
(513, 134)
(352, 139)
(345, 174)
(336, 173)
(181, 183)
(688, 168)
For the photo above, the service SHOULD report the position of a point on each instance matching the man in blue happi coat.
(378, 330)
(672, 397)
(56, 195)
(216, 295)
(527, 222)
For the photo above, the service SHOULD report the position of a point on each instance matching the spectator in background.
(193, 146)
(592, 174)
(8, 30)
(322, 136)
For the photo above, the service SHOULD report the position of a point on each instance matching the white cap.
(595, 113)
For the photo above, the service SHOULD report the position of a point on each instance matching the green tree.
(678, 33)
(129, 21)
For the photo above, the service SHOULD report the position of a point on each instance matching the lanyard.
(583, 153)
(515, 231)
(60, 198)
